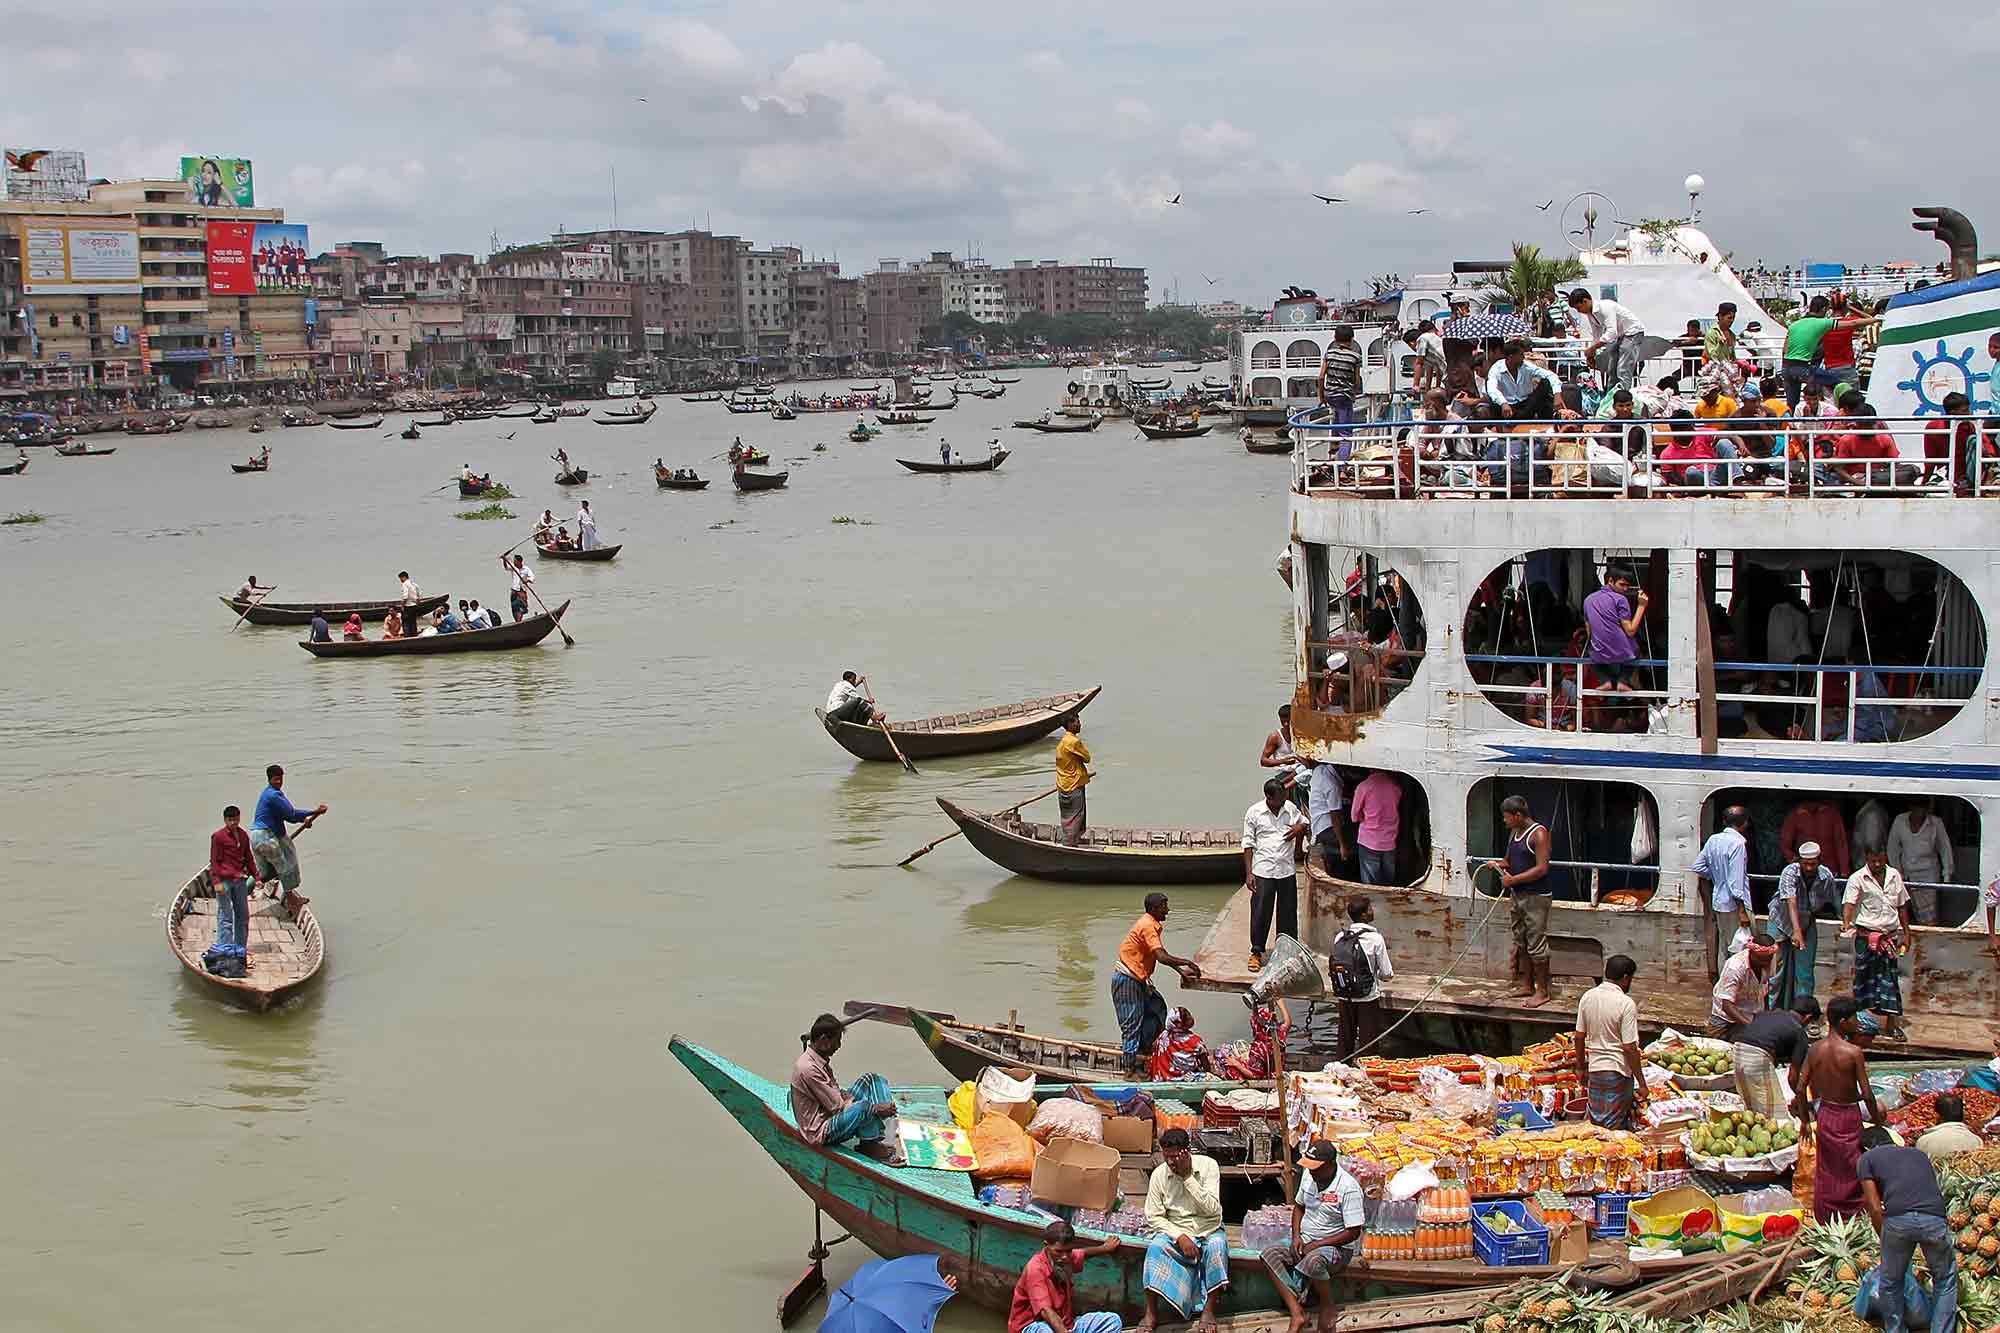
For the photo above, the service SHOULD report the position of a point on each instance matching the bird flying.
(1543, 208)
(1415, 211)
(1210, 281)
(1329, 198)
(1175, 200)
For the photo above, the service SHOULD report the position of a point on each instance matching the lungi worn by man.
(1875, 912)
(1607, 1045)
(1072, 756)
(1141, 1009)
(270, 841)
(1833, 1090)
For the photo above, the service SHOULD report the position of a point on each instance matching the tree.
(1531, 281)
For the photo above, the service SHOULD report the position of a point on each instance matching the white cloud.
(839, 71)
(52, 59)
(1215, 141)
(354, 192)
(951, 145)
(508, 37)
(1046, 64)
(1131, 118)
(1435, 141)
(701, 50)
(149, 65)
(1381, 185)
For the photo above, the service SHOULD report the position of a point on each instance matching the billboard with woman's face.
(220, 182)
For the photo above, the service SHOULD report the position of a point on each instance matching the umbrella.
(888, 1296)
(1475, 327)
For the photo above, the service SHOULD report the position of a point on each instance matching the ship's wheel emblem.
(1941, 375)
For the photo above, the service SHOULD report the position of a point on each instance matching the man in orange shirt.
(1141, 1009)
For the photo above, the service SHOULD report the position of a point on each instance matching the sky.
(867, 129)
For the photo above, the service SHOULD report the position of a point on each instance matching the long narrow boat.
(759, 481)
(1253, 445)
(301, 613)
(1185, 431)
(530, 409)
(964, 1049)
(14, 469)
(667, 481)
(624, 419)
(973, 732)
(240, 468)
(1106, 855)
(983, 465)
(376, 424)
(1064, 425)
(525, 634)
(441, 421)
(285, 952)
(63, 451)
(574, 553)
(574, 477)
(898, 1211)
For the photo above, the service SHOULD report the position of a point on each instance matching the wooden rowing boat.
(1106, 855)
(964, 1049)
(14, 469)
(574, 477)
(1253, 445)
(897, 1211)
(241, 468)
(531, 409)
(1064, 426)
(1173, 432)
(983, 465)
(84, 452)
(973, 732)
(472, 490)
(759, 481)
(575, 553)
(285, 953)
(376, 424)
(667, 481)
(441, 421)
(301, 613)
(524, 634)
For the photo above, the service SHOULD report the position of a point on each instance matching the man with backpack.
(1359, 961)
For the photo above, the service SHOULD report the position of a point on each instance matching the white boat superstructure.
(1098, 391)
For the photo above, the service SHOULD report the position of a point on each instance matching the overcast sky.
(873, 128)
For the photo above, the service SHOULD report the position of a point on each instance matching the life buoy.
(1072, 388)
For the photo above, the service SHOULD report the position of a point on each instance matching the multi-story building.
(986, 295)
(764, 280)
(829, 313)
(371, 339)
(55, 340)
(709, 313)
(903, 303)
(554, 325)
(1050, 287)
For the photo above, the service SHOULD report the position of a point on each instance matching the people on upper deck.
(1519, 387)
(1611, 335)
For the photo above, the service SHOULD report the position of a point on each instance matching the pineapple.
(1494, 1323)
(1846, 1273)
(1958, 1219)
(1816, 1300)
(1560, 1309)
(1534, 1310)
(1989, 1245)
(1968, 1241)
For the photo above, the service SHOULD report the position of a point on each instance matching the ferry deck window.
(1365, 633)
(1604, 842)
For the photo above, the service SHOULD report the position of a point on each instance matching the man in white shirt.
(1875, 914)
(1360, 963)
(851, 700)
(1273, 831)
(1328, 1214)
(412, 594)
(1608, 1058)
(1611, 336)
(1326, 800)
(1920, 850)
(520, 582)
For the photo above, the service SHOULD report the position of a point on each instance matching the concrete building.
(54, 342)
(709, 313)
(829, 314)
(902, 304)
(764, 281)
(555, 326)
(1050, 287)
(371, 339)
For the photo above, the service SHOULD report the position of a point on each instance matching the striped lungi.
(1612, 1096)
(1757, 1080)
(1878, 981)
(1142, 1013)
(276, 857)
(1182, 1283)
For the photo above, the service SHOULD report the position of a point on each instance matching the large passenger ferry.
(1815, 650)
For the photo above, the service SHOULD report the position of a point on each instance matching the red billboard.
(229, 270)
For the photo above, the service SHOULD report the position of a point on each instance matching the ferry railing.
(1348, 674)
(1641, 457)
(1561, 699)
(1840, 885)
(1645, 878)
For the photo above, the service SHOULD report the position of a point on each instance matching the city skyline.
(884, 129)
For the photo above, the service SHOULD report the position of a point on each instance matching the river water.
(539, 865)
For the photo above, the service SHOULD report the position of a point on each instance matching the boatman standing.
(520, 580)
(270, 843)
(1072, 756)
(586, 528)
(1524, 875)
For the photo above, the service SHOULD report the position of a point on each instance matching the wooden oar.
(856, 1011)
(255, 602)
(568, 642)
(894, 748)
(927, 847)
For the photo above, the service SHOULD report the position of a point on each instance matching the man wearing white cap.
(1804, 887)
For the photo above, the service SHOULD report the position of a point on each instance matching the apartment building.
(764, 280)
(709, 313)
(1051, 287)
(902, 303)
(829, 313)
(58, 335)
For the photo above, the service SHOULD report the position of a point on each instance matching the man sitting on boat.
(852, 701)
(1187, 1260)
(827, 1115)
(1519, 387)
(272, 846)
(1328, 1214)
(1046, 1290)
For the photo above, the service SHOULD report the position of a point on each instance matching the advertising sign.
(79, 257)
(248, 258)
(220, 182)
(46, 176)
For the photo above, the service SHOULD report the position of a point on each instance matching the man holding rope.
(1524, 874)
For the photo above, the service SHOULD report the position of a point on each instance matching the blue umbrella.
(888, 1296)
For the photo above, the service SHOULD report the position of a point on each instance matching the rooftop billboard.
(46, 176)
(78, 256)
(252, 258)
(220, 182)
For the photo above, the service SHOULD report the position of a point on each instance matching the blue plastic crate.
(1536, 1120)
(1515, 1249)
(1611, 1210)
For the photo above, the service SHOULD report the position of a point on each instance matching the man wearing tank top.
(1524, 874)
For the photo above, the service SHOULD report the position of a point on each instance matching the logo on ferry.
(1937, 377)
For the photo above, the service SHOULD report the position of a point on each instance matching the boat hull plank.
(301, 613)
(285, 952)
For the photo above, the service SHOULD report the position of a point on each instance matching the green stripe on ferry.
(1988, 318)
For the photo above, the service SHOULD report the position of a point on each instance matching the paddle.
(568, 642)
(255, 602)
(894, 748)
(927, 847)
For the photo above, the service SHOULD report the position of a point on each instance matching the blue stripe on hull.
(1709, 763)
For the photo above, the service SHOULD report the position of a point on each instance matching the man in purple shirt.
(1613, 621)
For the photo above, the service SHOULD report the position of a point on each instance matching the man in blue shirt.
(1519, 387)
(1325, 801)
(451, 624)
(1722, 876)
(277, 859)
(319, 632)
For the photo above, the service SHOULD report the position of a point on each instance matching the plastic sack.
(1442, 1091)
(1409, 1182)
(1645, 831)
(964, 1106)
(1804, 1171)
(1916, 1299)
(1004, 1150)
(1062, 1118)
(1000, 1091)
(1680, 1219)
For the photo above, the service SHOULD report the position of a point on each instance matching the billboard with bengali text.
(220, 182)
(78, 256)
(46, 176)
(252, 258)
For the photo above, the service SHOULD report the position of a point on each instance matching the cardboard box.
(1082, 1175)
(1128, 1133)
(1569, 1242)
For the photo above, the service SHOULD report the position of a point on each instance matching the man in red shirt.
(1865, 441)
(1046, 1288)
(230, 870)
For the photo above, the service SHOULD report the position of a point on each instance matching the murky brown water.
(540, 864)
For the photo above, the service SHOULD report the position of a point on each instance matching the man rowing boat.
(520, 582)
(852, 701)
(270, 843)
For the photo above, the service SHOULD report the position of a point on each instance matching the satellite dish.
(1583, 216)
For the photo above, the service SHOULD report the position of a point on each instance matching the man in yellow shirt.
(1714, 404)
(1071, 775)
(1187, 1259)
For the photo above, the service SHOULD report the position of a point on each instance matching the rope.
(1491, 907)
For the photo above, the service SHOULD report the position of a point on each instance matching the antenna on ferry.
(1694, 185)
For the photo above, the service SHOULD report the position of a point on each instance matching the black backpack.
(1353, 974)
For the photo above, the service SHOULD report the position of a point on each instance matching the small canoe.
(85, 453)
(983, 465)
(240, 468)
(1064, 425)
(1176, 432)
(1106, 855)
(1253, 445)
(376, 424)
(862, 436)
(666, 481)
(1006, 379)
(472, 490)
(973, 732)
(14, 469)
(530, 410)
(751, 458)
(623, 419)
(902, 418)
(572, 553)
(701, 397)
(574, 477)
(285, 951)
(441, 421)
(575, 412)
(472, 416)
(780, 412)
(525, 634)
(300, 421)
(759, 481)
(301, 613)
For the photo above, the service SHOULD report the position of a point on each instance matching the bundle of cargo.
(1572, 1158)
(1693, 1063)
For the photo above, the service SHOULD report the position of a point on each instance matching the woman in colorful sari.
(1253, 1059)
(352, 631)
(1179, 1053)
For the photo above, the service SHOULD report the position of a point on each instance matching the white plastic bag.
(1645, 833)
(999, 1093)
(1409, 1182)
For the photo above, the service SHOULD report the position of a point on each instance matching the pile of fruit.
(1693, 1061)
(1975, 1218)
(1742, 1134)
(1920, 1113)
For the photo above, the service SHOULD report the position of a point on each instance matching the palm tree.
(1532, 281)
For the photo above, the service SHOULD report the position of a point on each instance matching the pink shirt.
(1374, 807)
